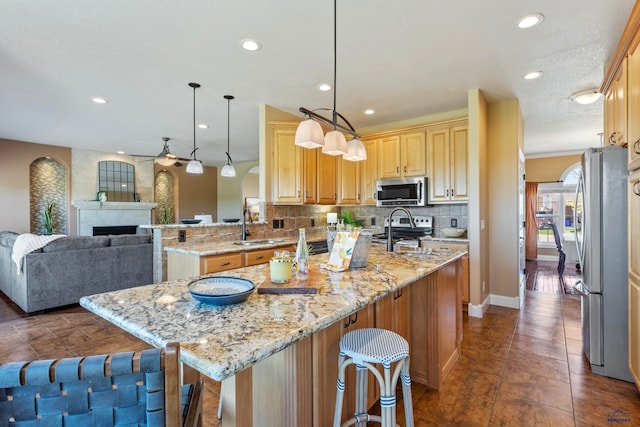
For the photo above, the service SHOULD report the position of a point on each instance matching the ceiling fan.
(165, 157)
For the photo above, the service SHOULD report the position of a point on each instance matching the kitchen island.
(277, 354)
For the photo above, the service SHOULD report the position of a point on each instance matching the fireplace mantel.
(92, 213)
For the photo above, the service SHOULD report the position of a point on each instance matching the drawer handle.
(224, 264)
(636, 188)
(636, 146)
(613, 140)
(259, 257)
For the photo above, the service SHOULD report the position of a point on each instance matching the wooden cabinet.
(310, 179)
(369, 173)
(326, 349)
(464, 272)
(349, 182)
(634, 274)
(217, 263)
(447, 151)
(402, 155)
(392, 313)
(633, 112)
(327, 180)
(286, 165)
(262, 256)
(615, 109)
(436, 325)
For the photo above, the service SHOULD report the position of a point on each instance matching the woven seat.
(132, 388)
(366, 346)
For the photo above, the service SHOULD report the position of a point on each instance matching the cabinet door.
(438, 165)
(620, 107)
(349, 189)
(633, 126)
(412, 152)
(310, 182)
(634, 275)
(217, 263)
(286, 166)
(369, 173)
(392, 313)
(458, 162)
(327, 183)
(389, 157)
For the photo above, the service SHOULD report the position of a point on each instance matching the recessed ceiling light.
(250, 45)
(324, 87)
(203, 126)
(533, 75)
(98, 100)
(531, 20)
(120, 152)
(586, 96)
(369, 112)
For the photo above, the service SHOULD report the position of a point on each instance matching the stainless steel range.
(402, 229)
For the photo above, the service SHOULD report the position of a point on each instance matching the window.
(556, 202)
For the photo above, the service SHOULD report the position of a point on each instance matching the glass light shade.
(335, 144)
(309, 134)
(194, 166)
(228, 171)
(355, 151)
(165, 161)
(586, 97)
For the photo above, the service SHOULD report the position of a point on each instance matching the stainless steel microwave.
(401, 192)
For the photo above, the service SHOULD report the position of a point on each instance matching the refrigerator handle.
(578, 288)
(579, 190)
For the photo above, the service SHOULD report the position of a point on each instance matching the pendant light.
(309, 132)
(228, 170)
(194, 165)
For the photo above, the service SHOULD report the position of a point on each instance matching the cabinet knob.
(358, 197)
(405, 168)
(636, 188)
(397, 169)
(615, 140)
(298, 193)
(636, 146)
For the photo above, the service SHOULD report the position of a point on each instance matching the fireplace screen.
(117, 179)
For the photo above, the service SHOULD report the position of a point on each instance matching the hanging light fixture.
(228, 170)
(194, 165)
(309, 132)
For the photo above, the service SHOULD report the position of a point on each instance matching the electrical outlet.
(313, 222)
(182, 235)
(454, 222)
(276, 224)
(373, 220)
(281, 223)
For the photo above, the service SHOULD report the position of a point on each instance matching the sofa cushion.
(76, 243)
(129, 239)
(7, 238)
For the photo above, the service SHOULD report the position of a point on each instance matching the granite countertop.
(219, 248)
(212, 224)
(220, 341)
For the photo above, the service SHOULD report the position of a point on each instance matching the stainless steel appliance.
(402, 230)
(600, 217)
(401, 192)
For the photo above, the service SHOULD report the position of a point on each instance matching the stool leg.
(406, 393)
(361, 393)
(388, 399)
(337, 415)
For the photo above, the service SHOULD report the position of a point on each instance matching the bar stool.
(363, 347)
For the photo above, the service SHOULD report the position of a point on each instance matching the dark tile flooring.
(518, 367)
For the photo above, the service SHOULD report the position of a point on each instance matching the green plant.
(48, 223)
(166, 216)
(348, 219)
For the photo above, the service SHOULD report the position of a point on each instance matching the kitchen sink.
(258, 242)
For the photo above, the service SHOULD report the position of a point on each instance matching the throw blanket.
(26, 243)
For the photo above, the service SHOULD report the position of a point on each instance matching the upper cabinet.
(401, 156)
(310, 180)
(286, 165)
(369, 173)
(615, 109)
(349, 184)
(633, 111)
(447, 150)
(327, 179)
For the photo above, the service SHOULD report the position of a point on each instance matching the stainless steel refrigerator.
(600, 217)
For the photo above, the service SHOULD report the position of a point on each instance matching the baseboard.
(547, 258)
(478, 310)
(502, 301)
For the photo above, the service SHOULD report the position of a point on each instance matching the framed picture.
(253, 204)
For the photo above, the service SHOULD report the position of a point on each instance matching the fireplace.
(94, 215)
(115, 229)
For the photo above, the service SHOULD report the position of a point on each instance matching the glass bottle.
(302, 257)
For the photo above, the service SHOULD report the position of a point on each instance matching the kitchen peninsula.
(277, 354)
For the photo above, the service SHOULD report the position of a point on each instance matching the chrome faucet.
(412, 224)
(245, 233)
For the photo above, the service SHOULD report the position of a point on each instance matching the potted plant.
(48, 223)
(166, 216)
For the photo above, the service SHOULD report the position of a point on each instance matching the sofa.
(66, 269)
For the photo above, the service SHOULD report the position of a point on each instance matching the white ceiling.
(405, 59)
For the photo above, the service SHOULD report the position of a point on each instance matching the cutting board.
(293, 287)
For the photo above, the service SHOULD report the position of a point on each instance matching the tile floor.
(518, 367)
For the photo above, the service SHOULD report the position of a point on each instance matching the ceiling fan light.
(335, 144)
(195, 166)
(309, 134)
(165, 161)
(228, 171)
(355, 151)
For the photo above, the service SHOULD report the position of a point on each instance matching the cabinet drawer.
(444, 246)
(263, 255)
(216, 263)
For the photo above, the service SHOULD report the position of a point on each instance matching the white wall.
(230, 194)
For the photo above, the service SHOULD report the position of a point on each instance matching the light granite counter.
(220, 341)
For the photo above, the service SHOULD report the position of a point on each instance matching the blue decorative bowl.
(191, 221)
(221, 290)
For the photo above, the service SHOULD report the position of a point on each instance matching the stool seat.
(374, 345)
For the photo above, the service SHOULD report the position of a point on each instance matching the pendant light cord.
(335, 60)
(228, 98)
(194, 86)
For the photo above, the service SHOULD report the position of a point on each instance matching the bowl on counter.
(190, 221)
(230, 219)
(453, 232)
(221, 290)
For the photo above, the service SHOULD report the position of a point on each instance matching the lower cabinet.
(634, 275)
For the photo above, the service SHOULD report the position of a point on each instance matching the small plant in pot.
(48, 222)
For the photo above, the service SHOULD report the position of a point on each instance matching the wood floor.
(518, 367)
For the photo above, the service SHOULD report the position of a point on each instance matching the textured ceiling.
(403, 59)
